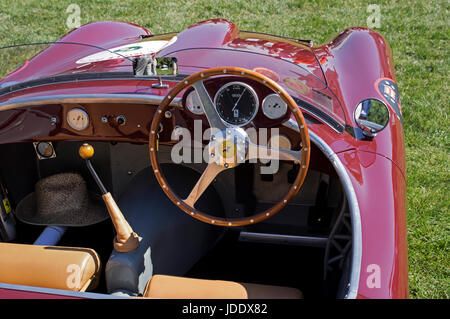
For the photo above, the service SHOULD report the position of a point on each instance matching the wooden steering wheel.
(229, 147)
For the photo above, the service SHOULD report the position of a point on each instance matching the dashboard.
(242, 102)
(239, 102)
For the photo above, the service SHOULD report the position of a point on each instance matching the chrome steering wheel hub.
(229, 147)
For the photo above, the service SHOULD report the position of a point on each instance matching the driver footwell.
(269, 264)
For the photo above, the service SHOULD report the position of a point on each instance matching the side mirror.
(371, 116)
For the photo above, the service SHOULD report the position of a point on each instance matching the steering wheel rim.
(186, 205)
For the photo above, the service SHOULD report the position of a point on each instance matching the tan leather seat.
(170, 287)
(66, 268)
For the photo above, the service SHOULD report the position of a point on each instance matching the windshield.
(30, 65)
(26, 62)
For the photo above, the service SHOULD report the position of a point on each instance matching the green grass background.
(418, 32)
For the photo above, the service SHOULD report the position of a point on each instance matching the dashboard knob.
(121, 120)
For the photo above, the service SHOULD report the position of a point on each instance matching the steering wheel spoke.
(211, 171)
(208, 106)
(264, 152)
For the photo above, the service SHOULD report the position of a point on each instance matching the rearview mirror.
(147, 65)
(166, 66)
(371, 116)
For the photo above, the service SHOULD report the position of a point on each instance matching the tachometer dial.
(273, 106)
(236, 103)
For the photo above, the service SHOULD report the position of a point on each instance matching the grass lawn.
(418, 32)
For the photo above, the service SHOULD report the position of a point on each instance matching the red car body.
(349, 67)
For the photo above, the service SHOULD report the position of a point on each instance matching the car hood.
(77, 54)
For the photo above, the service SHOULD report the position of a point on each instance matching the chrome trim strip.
(283, 239)
(59, 292)
(317, 113)
(87, 98)
(353, 205)
(13, 86)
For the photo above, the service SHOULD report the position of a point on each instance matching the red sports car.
(207, 163)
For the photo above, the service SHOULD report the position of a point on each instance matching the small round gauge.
(273, 106)
(193, 103)
(236, 103)
(78, 119)
(45, 149)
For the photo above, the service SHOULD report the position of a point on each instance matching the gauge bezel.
(250, 89)
(202, 112)
(85, 114)
(264, 111)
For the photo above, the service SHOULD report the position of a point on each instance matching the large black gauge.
(236, 103)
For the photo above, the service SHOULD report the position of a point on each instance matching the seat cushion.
(66, 268)
(171, 287)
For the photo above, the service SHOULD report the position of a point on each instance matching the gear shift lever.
(126, 239)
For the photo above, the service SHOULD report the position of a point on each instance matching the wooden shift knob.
(126, 239)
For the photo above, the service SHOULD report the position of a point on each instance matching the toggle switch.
(121, 120)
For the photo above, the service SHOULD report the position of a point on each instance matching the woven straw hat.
(63, 200)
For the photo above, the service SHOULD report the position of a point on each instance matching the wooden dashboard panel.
(49, 123)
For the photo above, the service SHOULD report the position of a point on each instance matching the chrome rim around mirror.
(371, 116)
